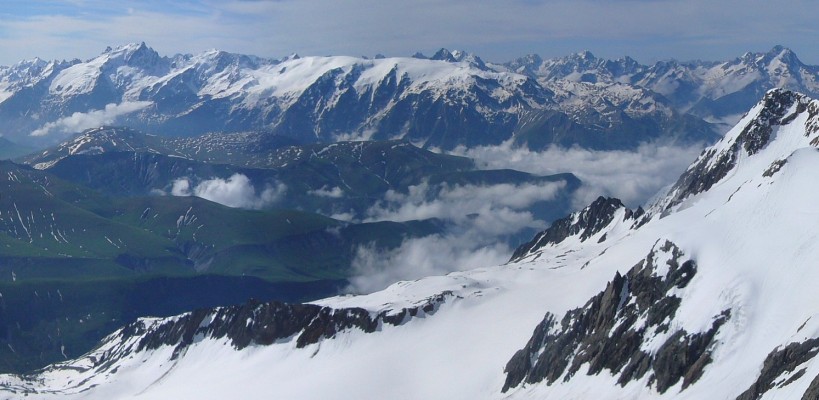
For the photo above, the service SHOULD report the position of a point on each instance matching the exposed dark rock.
(684, 356)
(757, 134)
(585, 223)
(264, 323)
(813, 390)
(781, 361)
(774, 168)
(608, 331)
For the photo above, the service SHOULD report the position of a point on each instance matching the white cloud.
(333, 193)
(461, 202)
(236, 191)
(632, 176)
(480, 221)
(79, 122)
(482, 216)
(181, 187)
(420, 257)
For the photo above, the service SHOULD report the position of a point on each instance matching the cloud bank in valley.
(420, 257)
(79, 121)
(632, 176)
(236, 191)
(480, 219)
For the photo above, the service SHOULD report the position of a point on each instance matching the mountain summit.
(708, 294)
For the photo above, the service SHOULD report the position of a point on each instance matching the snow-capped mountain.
(717, 91)
(452, 98)
(707, 294)
(439, 102)
(578, 67)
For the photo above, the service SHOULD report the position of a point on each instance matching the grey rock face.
(609, 330)
(256, 323)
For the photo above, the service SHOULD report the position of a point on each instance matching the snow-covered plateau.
(707, 294)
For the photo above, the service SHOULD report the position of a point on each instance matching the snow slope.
(706, 286)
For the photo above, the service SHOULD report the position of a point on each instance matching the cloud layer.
(420, 257)
(236, 191)
(79, 122)
(480, 220)
(632, 176)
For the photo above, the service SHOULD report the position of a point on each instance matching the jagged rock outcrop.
(257, 323)
(610, 331)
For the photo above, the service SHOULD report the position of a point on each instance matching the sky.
(496, 30)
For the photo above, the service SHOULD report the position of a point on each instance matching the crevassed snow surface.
(755, 240)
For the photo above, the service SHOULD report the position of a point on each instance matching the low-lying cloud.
(79, 122)
(236, 191)
(483, 217)
(420, 257)
(632, 176)
(333, 193)
(480, 219)
(494, 209)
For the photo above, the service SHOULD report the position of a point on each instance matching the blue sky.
(497, 30)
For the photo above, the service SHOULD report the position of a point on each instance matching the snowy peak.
(527, 65)
(457, 56)
(778, 55)
(579, 67)
(134, 54)
(764, 124)
(781, 124)
(443, 55)
(306, 98)
(592, 222)
(607, 303)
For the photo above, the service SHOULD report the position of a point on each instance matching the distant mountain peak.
(777, 49)
(292, 56)
(785, 55)
(133, 54)
(585, 55)
(443, 55)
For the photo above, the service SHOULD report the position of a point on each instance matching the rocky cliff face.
(264, 323)
(613, 330)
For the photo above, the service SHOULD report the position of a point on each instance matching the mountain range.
(451, 99)
(707, 293)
